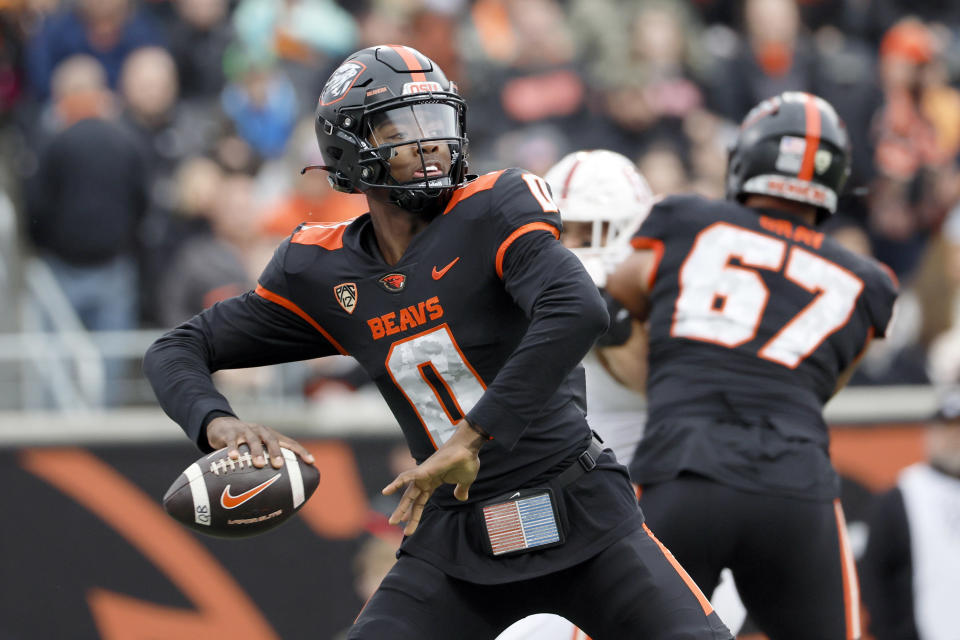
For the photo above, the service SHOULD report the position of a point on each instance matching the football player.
(456, 297)
(756, 319)
(603, 198)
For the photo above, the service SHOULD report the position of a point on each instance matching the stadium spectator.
(649, 88)
(534, 81)
(305, 37)
(916, 140)
(942, 305)
(209, 265)
(774, 56)
(540, 314)
(108, 30)
(198, 42)
(85, 204)
(167, 131)
(260, 102)
(743, 449)
(87, 198)
(910, 572)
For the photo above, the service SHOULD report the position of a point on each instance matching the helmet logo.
(346, 294)
(341, 81)
(790, 158)
(762, 110)
(421, 87)
(393, 282)
(822, 160)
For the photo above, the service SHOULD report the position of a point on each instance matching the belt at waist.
(585, 463)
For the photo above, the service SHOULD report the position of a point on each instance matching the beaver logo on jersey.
(393, 282)
(346, 294)
(341, 81)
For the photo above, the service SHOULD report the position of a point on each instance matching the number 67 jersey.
(754, 317)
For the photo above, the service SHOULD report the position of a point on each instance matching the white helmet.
(606, 189)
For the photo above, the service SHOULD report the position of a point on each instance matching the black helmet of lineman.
(791, 146)
(392, 85)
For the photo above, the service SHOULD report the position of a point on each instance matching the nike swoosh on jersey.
(442, 272)
(229, 501)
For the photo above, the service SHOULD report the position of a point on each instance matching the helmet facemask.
(413, 154)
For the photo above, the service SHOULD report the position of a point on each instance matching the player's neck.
(394, 228)
(806, 212)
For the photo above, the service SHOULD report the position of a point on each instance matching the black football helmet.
(792, 146)
(380, 102)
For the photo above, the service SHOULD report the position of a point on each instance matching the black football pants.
(631, 590)
(790, 558)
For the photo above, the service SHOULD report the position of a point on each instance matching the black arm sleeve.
(246, 331)
(566, 315)
(886, 571)
(621, 323)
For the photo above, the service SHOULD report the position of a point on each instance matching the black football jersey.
(754, 315)
(486, 315)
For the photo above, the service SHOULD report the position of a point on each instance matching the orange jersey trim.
(326, 236)
(890, 274)
(851, 586)
(812, 138)
(483, 183)
(527, 228)
(266, 294)
(702, 599)
(411, 61)
(657, 247)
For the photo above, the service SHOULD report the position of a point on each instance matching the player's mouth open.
(433, 171)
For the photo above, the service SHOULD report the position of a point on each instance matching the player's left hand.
(457, 461)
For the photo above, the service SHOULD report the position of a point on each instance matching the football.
(233, 499)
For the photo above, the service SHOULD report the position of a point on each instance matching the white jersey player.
(603, 198)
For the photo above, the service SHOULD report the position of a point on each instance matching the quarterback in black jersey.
(756, 319)
(456, 297)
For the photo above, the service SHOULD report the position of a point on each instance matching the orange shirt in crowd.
(284, 216)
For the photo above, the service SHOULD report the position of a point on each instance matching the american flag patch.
(792, 144)
(521, 524)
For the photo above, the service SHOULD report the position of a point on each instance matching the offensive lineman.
(455, 296)
(756, 320)
(603, 199)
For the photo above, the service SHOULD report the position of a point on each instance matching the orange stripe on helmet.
(812, 113)
(566, 183)
(406, 54)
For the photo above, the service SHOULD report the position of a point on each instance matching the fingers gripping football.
(230, 432)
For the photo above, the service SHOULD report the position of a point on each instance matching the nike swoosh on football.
(232, 502)
(442, 272)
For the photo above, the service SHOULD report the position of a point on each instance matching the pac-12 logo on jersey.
(393, 282)
(346, 295)
(341, 81)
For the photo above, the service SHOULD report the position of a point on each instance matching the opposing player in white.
(603, 198)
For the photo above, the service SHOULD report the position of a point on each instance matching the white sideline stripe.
(296, 480)
(198, 489)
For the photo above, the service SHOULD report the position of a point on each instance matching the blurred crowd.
(152, 148)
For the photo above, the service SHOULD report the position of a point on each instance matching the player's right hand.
(227, 431)
(456, 462)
